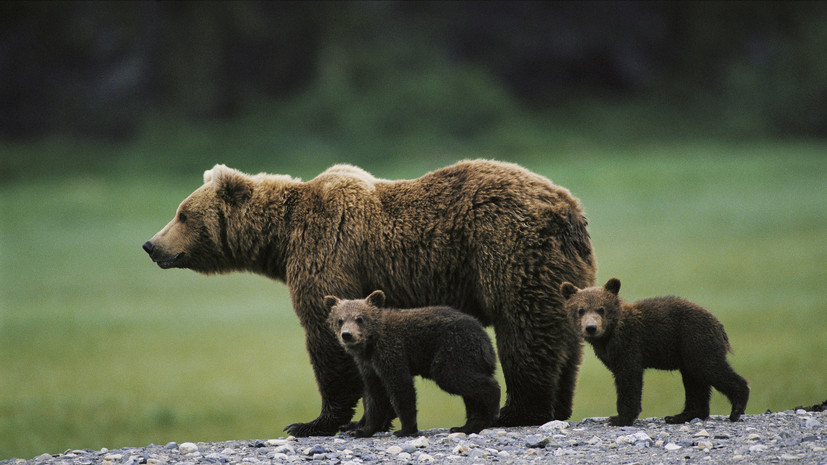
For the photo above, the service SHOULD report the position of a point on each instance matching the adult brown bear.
(491, 239)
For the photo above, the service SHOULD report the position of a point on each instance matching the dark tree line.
(98, 67)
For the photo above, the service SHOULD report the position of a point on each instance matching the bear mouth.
(170, 262)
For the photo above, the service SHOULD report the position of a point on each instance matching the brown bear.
(666, 333)
(391, 346)
(490, 239)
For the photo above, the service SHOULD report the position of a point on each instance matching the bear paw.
(620, 421)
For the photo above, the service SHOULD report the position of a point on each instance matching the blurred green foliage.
(98, 68)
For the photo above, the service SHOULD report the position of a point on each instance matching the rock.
(671, 446)
(460, 449)
(757, 448)
(554, 425)
(285, 449)
(536, 442)
(403, 457)
(425, 458)
(187, 448)
(393, 450)
(704, 445)
(812, 423)
(420, 443)
(317, 449)
(702, 434)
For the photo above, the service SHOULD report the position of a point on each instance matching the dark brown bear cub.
(392, 346)
(666, 333)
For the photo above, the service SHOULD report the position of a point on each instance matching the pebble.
(555, 425)
(187, 448)
(781, 437)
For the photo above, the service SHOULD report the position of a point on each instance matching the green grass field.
(100, 348)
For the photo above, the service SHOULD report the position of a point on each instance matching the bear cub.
(391, 346)
(665, 333)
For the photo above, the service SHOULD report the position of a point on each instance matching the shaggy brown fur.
(392, 346)
(665, 333)
(490, 239)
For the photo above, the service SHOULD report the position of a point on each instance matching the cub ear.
(231, 185)
(567, 289)
(612, 285)
(376, 299)
(330, 301)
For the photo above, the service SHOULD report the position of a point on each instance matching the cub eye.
(601, 311)
(581, 312)
(182, 217)
(340, 322)
(359, 320)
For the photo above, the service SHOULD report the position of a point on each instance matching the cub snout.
(346, 336)
(592, 325)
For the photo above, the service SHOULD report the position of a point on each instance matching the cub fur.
(392, 346)
(665, 333)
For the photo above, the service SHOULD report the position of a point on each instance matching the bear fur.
(490, 239)
(392, 346)
(666, 333)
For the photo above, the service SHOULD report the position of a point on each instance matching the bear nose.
(149, 247)
(346, 336)
(591, 329)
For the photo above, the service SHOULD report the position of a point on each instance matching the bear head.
(354, 322)
(214, 229)
(593, 310)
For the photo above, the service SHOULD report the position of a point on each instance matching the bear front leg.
(531, 372)
(399, 385)
(378, 409)
(629, 387)
(339, 385)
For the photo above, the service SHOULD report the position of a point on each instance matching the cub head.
(593, 310)
(203, 235)
(354, 321)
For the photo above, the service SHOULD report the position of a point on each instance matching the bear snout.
(347, 336)
(163, 259)
(591, 329)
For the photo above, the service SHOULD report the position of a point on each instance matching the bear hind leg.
(696, 405)
(480, 392)
(532, 374)
(482, 403)
(564, 399)
(735, 388)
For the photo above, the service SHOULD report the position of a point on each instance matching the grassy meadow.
(101, 348)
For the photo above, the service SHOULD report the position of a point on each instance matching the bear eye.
(182, 217)
(601, 311)
(359, 320)
(581, 312)
(340, 322)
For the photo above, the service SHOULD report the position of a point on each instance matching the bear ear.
(231, 185)
(567, 289)
(376, 299)
(612, 285)
(330, 301)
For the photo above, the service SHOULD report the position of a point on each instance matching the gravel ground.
(793, 436)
